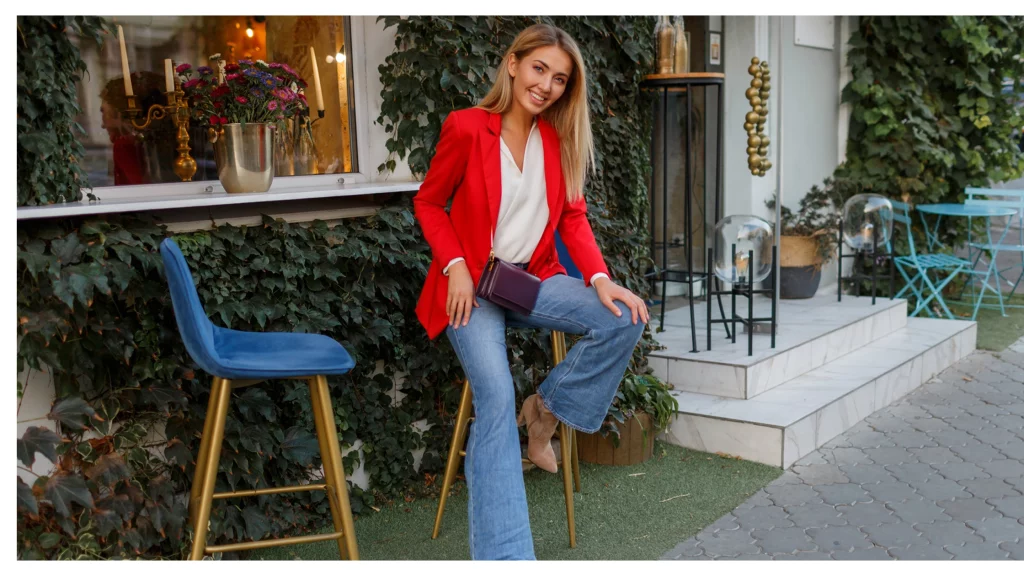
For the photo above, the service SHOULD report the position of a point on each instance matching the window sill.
(209, 199)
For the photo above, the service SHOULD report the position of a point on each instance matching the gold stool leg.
(334, 470)
(204, 452)
(575, 460)
(567, 436)
(564, 444)
(458, 442)
(220, 396)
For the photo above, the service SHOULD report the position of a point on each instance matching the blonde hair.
(570, 114)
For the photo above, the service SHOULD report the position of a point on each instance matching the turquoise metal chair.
(236, 359)
(914, 268)
(993, 245)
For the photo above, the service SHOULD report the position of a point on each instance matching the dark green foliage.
(930, 117)
(49, 67)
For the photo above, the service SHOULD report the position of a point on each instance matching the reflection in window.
(118, 155)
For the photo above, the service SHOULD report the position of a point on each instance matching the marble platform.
(779, 425)
(811, 334)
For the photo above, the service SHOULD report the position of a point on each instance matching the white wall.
(813, 136)
(376, 44)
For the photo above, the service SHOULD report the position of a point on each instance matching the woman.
(515, 165)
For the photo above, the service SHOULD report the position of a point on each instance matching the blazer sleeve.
(578, 237)
(444, 175)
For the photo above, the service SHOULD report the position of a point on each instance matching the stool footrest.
(262, 491)
(272, 542)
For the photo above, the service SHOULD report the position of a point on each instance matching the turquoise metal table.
(965, 211)
(957, 211)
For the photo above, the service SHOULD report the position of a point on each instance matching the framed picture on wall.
(715, 51)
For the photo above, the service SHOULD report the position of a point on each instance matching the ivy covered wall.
(94, 311)
(930, 115)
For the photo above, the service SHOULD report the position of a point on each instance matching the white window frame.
(211, 193)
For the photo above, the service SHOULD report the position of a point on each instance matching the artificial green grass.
(995, 332)
(623, 513)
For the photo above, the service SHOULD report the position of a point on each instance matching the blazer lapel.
(491, 153)
(552, 170)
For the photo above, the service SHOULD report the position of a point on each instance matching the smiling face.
(540, 78)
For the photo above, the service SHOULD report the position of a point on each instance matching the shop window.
(120, 154)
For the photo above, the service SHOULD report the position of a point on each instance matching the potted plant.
(809, 238)
(642, 408)
(242, 105)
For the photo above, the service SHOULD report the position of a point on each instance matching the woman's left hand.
(609, 292)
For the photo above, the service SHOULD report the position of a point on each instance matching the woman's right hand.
(461, 295)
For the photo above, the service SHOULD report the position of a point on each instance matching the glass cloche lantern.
(735, 238)
(867, 222)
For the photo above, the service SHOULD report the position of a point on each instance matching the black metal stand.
(742, 287)
(859, 275)
(683, 83)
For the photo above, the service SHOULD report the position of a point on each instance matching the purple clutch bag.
(508, 286)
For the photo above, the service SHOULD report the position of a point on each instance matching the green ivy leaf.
(256, 525)
(26, 499)
(299, 446)
(255, 401)
(73, 412)
(63, 490)
(37, 439)
(108, 470)
(48, 540)
(177, 453)
(106, 521)
(161, 395)
(67, 250)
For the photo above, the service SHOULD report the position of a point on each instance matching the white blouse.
(523, 214)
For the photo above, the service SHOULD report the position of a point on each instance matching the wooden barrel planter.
(633, 448)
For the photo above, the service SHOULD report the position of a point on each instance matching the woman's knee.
(624, 322)
(494, 392)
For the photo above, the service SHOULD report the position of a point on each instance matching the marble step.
(791, 420)
(811, 334)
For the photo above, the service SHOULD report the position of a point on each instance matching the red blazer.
(467, 163)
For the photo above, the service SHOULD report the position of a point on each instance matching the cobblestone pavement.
(937, 475)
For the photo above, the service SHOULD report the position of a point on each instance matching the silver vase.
(245, 157)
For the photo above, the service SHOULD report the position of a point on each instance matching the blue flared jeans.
(578, 391)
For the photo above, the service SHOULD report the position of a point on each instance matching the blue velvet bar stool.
(567, 436)
(236, 359)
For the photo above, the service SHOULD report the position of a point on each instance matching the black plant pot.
(797, 282)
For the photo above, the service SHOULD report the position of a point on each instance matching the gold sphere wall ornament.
(757, 94)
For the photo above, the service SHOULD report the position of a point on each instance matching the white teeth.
(537, 98)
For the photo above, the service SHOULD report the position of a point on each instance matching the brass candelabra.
(757, 140)
(177, 104)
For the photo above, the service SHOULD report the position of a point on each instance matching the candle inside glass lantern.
(742, 262)
(867, 235)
